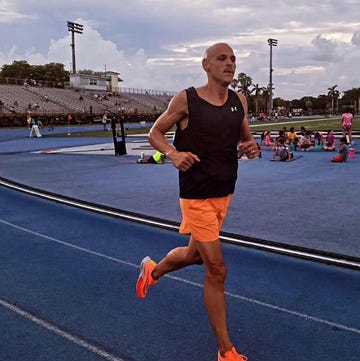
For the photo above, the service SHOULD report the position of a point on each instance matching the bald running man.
(211, 123)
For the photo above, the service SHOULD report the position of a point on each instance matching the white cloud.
(356, 38)
(159, 44)
(325, 50)
(9, 14)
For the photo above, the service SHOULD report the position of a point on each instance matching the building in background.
(108, 81)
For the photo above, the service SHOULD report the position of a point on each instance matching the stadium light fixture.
(271, 42)
(74, 28)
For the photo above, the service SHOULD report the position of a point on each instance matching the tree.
(284, 105)
(319, 104)
(55, 72)
(52, 72)
(333, 94)
(90, 72)
(351, 98)
(266, 96)
(18, 69)
(242, 83)
(258, 92)
(308, 105)
(234, 83)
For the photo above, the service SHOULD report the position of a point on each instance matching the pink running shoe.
(145, 279)
(232, 355)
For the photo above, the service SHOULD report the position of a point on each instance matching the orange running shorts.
(203, 218)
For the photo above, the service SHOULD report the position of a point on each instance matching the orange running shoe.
(145, 279)
(232, 355)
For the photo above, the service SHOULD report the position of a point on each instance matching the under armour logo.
(233, 109)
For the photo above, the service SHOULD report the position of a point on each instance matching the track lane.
(77, 270)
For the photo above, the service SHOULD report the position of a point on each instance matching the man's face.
(220, 63)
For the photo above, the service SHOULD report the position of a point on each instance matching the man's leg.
(214, 292)
(178, 258)
(210, 254)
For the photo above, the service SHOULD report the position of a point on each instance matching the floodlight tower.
(74, 28)
(271, 42)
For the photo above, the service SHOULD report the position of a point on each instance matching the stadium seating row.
(16, 101)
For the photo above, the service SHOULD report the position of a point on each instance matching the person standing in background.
(346, 125)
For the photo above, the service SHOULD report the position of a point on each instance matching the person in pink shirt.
(346, 124)
(329, 144)
(268, 140)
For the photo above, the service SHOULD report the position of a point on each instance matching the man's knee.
(216, 271)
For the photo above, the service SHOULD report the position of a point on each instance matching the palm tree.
(243, 82)
(266, 96)
(234, 83)
(333, 93)
(258, 91)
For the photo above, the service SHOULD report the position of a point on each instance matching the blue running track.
(67, 292)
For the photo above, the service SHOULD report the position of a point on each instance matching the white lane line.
(56, 330)
(67, 244)
(233, 295)
(277, 308)
(280, 309)
(89, 207)
(334, 260)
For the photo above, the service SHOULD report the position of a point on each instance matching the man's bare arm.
(177, 112)
(247, 143)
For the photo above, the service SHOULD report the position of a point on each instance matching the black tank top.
(212, 134)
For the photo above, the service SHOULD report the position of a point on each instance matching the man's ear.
(205, 65)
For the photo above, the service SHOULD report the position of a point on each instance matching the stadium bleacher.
(16, 101)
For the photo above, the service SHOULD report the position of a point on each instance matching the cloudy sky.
(158, 44)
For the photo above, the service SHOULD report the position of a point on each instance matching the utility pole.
(271, 42)
(74, 28)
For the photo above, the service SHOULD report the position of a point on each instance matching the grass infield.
(323, 124)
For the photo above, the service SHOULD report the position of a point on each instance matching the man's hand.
(182, 160)
(249, 148)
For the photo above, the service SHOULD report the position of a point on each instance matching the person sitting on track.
(330, 142)
(282, 150)
(294, 139)
(156, 158)
(343, 152)
(305, 141)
